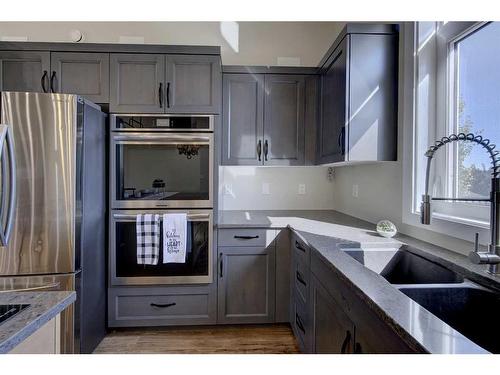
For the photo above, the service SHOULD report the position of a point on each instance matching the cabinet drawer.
(300, 250)
(302, 326)
(130, 307)
(301, 275)
(246, 237)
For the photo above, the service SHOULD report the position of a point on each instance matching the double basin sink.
(465, 306)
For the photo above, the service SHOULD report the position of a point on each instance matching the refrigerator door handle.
(6, 139)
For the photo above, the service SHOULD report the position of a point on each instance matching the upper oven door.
(162, 123)
(161, 170)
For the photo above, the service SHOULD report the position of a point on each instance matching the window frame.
(454, 219)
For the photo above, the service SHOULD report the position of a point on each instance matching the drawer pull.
(246, 237)
(300, 279)
(299, 246)
(298, 321)
(162, 305)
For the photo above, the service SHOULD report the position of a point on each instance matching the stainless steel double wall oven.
(161, 164)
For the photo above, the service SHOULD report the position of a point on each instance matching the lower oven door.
(197, 269)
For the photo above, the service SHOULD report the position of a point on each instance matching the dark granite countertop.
(328, 232)
(43, 307)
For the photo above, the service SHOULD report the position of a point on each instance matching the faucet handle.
(476, 243)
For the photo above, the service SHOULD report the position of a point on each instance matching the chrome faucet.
(491, 257)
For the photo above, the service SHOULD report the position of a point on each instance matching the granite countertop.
(328, 232)
(43, 307)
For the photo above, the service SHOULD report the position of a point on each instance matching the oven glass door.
(196, 269)
(161, 170)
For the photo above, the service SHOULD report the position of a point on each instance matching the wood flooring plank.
(255, 339)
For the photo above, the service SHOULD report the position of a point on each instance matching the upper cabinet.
(359, 96)
(85, 74)
(331, 135)
(151, 83)
(284, 120)
(265, 117)
(243, 119)
(137, 83)
(193, 84)
(24, 71)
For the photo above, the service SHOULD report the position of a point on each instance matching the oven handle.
(133, 217)
(173, 138)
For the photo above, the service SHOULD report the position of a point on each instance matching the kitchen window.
(451, 85)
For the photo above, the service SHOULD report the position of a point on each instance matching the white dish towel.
(174, 238)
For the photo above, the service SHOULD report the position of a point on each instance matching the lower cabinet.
(327, 317)
(246, 284)
(332, 330)
(161, 306)
(46, 340)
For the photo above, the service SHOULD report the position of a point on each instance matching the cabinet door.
(85, 74)
(193, 84)
(246, 290)
(243, 119)
(137, 83)
(332, 330)
(284, 120)
(332, 134)
(24, 71)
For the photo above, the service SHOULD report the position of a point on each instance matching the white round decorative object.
(386, 228)
(76, 36)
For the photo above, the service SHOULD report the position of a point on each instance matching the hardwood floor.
(255, 339)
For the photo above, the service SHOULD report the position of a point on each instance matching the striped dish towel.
(148, 238)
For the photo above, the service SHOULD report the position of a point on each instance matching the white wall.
(246, 188)
(242, 43)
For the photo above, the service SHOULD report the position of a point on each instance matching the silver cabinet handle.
(6, 139)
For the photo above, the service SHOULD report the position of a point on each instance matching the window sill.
(452, 226)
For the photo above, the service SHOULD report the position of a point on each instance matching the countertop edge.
(36, 323)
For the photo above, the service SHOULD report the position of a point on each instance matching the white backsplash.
(275, 188)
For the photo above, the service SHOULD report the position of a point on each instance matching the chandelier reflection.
(188, 150)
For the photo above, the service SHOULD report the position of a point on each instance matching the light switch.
(302, 189)
(355, 190)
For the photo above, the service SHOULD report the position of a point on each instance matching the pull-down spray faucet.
(492, 257)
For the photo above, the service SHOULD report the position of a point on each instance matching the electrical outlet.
(266, 188)
(302, 189)
(228, 189)
(355, 190)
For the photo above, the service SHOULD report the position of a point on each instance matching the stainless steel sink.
(403, 267)
(468, 309)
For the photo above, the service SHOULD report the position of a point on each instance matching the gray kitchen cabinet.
(359, 97)
(85, 74)
(265, 118)
(193, 84)
(161, 306)
(331, 133)
(24, 71)
(284, 119)
(246, 284)
(283, 268)
(243, 119)
(137, 83)
(332, 330)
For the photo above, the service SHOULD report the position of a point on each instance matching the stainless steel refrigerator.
(52, 206)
